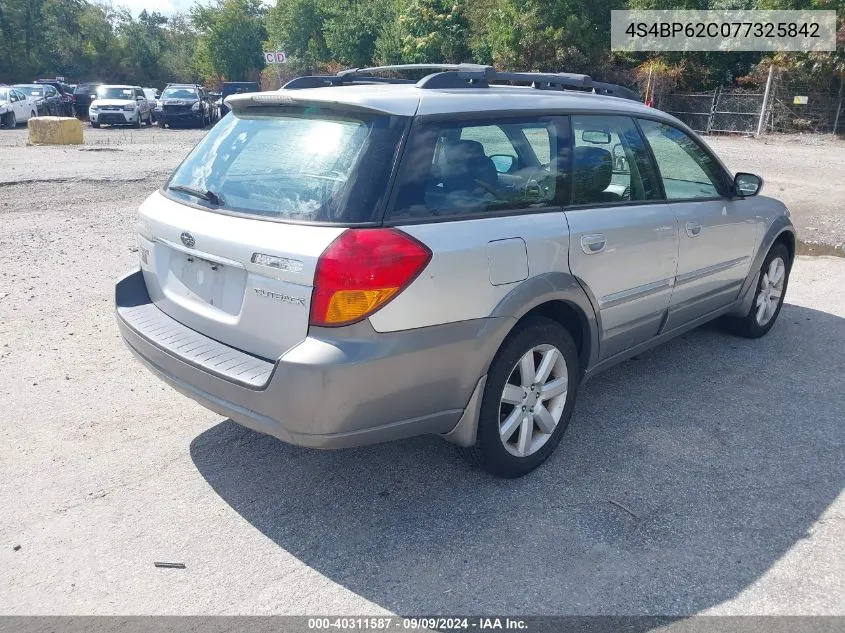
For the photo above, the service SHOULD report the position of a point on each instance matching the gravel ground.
(806, 172)
(724, 455)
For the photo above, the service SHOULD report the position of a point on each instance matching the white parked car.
(120, 105)
(15, 107)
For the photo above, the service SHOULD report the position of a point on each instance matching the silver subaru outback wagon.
(359, 258)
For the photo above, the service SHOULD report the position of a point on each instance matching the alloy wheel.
(771, 290)
(533, 400)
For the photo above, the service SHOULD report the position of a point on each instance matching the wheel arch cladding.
(557, 296)
(787, 238)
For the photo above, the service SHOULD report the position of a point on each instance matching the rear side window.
(688, 172)
(610, 162)
(454, 168)
(301, 164)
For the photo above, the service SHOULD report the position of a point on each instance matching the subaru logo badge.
(187, 239)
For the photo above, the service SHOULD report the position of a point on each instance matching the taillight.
(361, 271)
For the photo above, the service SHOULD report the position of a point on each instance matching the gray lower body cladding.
(339, 387)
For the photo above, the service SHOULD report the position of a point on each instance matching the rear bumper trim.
(136, 311)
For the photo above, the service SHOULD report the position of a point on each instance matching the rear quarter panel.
(457, 283)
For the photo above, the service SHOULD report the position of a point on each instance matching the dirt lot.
(727, 452)
(806, 172)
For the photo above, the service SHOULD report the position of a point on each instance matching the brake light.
(361, 271)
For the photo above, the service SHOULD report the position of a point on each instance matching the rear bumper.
(337, 388)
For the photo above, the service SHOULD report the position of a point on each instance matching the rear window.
(231, 89)
(299, 164)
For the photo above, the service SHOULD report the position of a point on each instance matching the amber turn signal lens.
(349, 305)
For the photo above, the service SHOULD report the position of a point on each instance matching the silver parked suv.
(357, 258)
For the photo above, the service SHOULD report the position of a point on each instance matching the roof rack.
(462, 76)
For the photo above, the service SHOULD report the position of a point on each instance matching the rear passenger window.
(610, 162)
(455, 169)
(688, 172)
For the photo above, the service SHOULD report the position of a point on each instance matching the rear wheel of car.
(528, 399)
(768, 296)
(33, 114)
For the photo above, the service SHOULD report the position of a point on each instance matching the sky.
(166, 7)
(162, 6)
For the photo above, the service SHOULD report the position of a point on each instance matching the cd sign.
(275, 57)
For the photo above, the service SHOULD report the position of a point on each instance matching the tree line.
(217, 40)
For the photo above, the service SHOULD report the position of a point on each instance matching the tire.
(137, 123)
(11, 121)
(95, 125)
(33, 115)
(761, 318)
(500, 455)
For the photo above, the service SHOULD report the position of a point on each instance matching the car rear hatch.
(229, 247)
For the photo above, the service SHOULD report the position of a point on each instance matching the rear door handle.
(693, 229)
(593, 243)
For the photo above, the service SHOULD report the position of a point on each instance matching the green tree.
(230, 37)
(434, 31)
(351, 29)
(296, 26)
(178, 56)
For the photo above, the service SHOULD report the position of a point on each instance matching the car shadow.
(685, 475)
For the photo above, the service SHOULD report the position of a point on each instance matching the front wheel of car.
(11, 121)
(95, 125)
(528, 399)
(768, 296)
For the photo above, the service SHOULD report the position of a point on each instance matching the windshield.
(115, 92)
(31, 91)
(298, 164)
(179, 93)
(4, 94)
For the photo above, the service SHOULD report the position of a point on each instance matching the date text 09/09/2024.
(388, 623)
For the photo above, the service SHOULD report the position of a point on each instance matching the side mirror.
(503, 162)
(747, 184)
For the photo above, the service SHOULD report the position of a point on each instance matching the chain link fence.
(805, 107)
(791, 107)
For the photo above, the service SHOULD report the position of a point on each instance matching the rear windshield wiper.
(208, 196)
